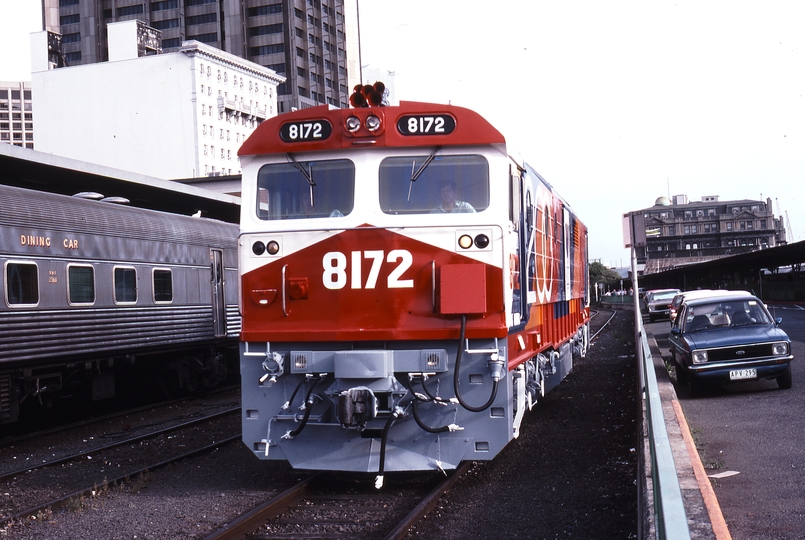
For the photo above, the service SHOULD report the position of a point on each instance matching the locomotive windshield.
(306, 189)
(445, 184)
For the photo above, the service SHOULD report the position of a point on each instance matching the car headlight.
(699, 357)
(780, 349)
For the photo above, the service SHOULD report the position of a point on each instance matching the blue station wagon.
(724, 338)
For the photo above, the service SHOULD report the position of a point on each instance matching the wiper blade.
(418, 172)
(424, 166)
(308, 174)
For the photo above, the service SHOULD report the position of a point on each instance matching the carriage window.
(81, 284)
(306, 189)
(22, 284)
(125, 285)
(163, 286)
(445, 184)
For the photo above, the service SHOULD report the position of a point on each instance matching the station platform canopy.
(26, 168)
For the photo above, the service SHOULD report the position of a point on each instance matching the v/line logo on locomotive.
(408, 287)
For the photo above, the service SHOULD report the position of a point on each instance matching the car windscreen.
(726, 313)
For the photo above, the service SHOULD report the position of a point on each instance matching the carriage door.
(217, 283)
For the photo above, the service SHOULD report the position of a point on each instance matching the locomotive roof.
(464, 127)
(35, 209)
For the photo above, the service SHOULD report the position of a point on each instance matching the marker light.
(258, 248)
(481, 241)
(273, 247)
(373, 123)
(465, 241)
(353, 124)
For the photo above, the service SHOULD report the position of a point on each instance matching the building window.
(264, 10)
(210, 37)
(671, 230)
(129, 10)
(125, 285)
(742, 224)
(81, 284)
(266, 30)
(729, 225)
(166, 4)
(201, 19)
(71, 38)
(163, 285)
(22, 284)
(164, 25)
(70, 19)
(762, 223)
(687, 229)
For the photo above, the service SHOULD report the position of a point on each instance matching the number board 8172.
(426, 124)
(304, 131)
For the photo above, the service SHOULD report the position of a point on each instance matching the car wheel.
(784, 380)
(695, 388)
(681, 374)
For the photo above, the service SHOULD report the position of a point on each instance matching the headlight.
(372, 123)
(779, 349)
(353, 124)
(699, 357)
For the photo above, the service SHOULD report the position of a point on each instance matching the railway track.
(68, 478)
(329, 505)
(21, 435)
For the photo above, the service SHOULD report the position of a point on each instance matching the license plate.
(738, 374)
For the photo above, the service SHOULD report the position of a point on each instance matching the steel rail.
(428, 503)
(146, 436)
(253, 519)
(124, 478)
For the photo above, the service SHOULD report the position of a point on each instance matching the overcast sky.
(614, 103)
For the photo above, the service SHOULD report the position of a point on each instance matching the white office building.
(174, 115)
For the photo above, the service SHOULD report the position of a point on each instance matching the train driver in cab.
(450, 203)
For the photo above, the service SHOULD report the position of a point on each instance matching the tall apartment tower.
(304, 40)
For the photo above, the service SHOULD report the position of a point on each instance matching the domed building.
(681, 232)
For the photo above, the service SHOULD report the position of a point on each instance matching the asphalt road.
(757, 431)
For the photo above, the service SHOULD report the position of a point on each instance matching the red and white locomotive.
(408, 288)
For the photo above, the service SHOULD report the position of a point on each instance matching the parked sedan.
(658, 302)
(676, 303)
(728, 338)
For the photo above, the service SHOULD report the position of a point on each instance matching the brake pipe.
(495, 378)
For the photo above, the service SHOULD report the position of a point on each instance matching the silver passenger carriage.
(92, 290)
